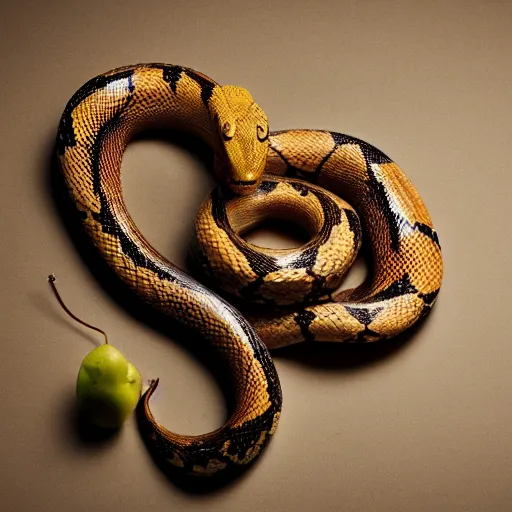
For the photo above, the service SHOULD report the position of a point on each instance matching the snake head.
(242, 129)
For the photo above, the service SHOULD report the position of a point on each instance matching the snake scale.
(293, 174)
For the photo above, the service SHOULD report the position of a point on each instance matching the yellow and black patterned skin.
(277, 277)
(95, 128)
(407, 266)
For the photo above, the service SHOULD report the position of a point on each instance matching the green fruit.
(108, 387)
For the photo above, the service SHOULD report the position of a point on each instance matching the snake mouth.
(242, 183)
(243, 187)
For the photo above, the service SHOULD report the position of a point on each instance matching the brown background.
(418, 425)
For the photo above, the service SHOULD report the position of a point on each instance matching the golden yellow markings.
(345, 165)
(225, 260)
(399, 314)
(333, 323)
(211, 468)
(403, 193)
(337, 254)
(250, 454)
(275, 422)
(277, 332)
(425, 277)
(257, 395)
(255, 449)
(275, 164)
(308, 158)
(286, 286)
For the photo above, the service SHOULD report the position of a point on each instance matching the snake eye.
(227, 131)
(262, 132)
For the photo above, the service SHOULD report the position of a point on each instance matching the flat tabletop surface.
(417, 424)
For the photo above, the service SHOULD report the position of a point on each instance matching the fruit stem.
(51, 279)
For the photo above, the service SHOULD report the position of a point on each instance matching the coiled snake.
(95, 128)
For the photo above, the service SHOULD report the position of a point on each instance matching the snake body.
(95, 128)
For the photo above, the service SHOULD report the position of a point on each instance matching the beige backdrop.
(422, 424)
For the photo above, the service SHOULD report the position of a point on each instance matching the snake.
(342, 190)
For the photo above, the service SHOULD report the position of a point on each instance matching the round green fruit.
(108, 387)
